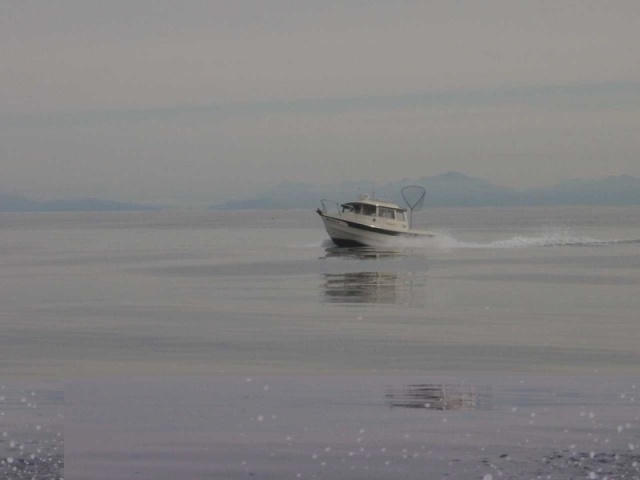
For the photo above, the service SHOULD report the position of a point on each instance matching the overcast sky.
(158, 100)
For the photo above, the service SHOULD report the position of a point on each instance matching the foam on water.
(446, 241)
(548, 239)
(443, 240)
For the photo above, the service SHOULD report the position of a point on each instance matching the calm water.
(241, 345)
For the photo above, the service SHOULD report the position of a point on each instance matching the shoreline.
(32, 432)
(40, 468)
(355, 427)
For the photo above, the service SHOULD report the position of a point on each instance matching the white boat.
(371, 222)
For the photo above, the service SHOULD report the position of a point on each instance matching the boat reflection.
(374, 287)
(362, 253)
(433, 396)
(392, 282)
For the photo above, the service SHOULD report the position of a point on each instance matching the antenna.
(413, 196)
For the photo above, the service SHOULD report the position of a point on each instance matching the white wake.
(547, 239)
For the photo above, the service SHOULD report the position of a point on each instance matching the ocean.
(228, 345)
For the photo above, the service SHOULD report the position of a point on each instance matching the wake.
(446, 241)
(549, 239)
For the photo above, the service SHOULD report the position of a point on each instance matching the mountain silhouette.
(452, 189)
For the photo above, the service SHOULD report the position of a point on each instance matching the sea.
(244, 345)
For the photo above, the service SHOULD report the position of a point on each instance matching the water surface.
(180, 309)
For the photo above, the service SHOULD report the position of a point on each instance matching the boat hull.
(345, 233)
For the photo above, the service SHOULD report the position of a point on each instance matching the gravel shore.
(39, 468)
(32, 433)
(564, 465)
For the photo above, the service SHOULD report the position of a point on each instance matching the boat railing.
(329, 205)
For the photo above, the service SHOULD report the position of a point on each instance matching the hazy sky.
(155, 100)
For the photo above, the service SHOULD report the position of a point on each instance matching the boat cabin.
(379, 209)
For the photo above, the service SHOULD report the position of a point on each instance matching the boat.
(372, 222)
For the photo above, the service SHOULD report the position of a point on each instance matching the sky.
(204, 101)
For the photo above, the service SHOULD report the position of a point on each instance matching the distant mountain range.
(449, 189)
(452, 189)
(16, 203)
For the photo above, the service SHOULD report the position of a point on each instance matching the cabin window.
(400, 215)
(369, 210)
(347, 209)
(385, 212)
